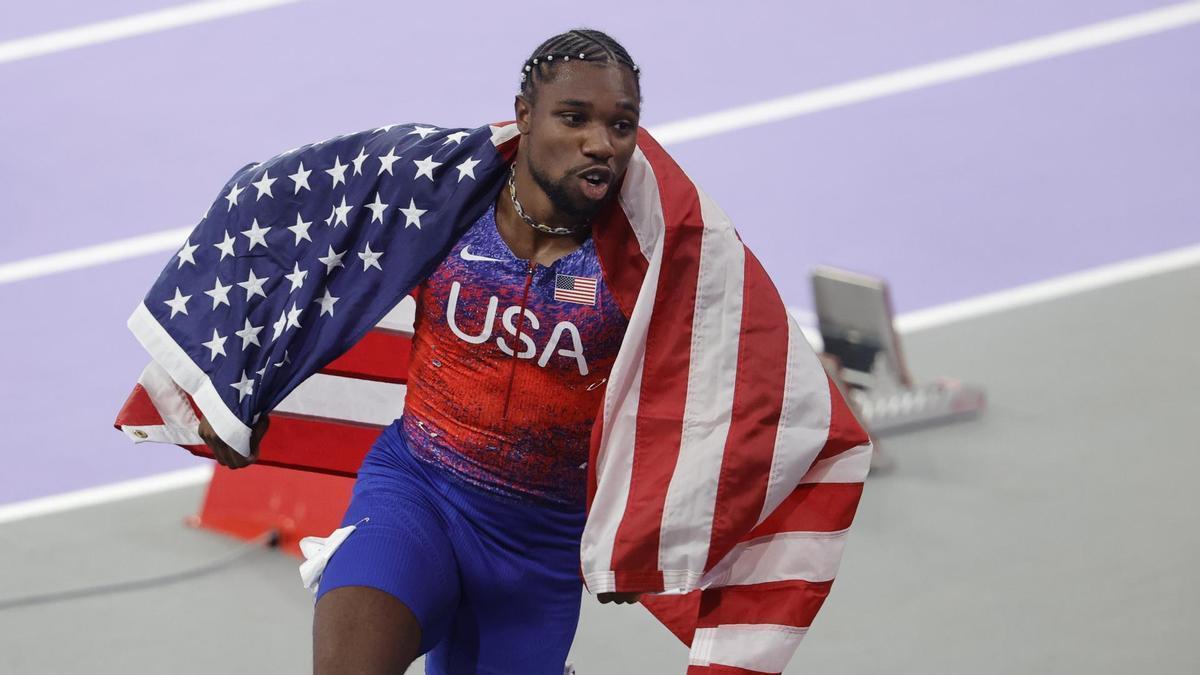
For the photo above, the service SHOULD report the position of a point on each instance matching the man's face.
(580, 133)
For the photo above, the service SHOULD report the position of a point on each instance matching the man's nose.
(598, 144)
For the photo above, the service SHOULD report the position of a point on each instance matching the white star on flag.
(300, 178)
(178, 304)
(456, 137)
(422, 131)
(385, 162)
(249, 335)
(342, 212)
(245, 387)
(300, 229)
(253, 285)
(326, 303)
(216, 345)
(185, 254)
(338, 172)
(256, 234)
(332, 260)
(358, 161)
(293, 317)
(412, 215)
(232, 197)
(263, 185)
(425, 167)
(277, 329)
(377, 208)
(370, 258)
(219, 293)
(467, 168)
(226, 247)
(296, 277)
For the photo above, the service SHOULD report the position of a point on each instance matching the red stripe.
(757, 401)
(336, 447)
(787, 603)
(665, 375)
(621, 260)
(138, 411)
(844, 430)
(717, 669)
(815, 507)
(381, 355)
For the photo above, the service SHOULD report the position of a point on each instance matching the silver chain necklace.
(512, 192)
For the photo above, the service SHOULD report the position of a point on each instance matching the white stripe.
(691, 498)
(850, 466)
(130, 26)
(401, 317)
(179, 423)
(346, 398)
(103, 494)
(641, 202)
(803, 421)
(163, 349)
(733, 119)
(786, 556)
(928, 75)
(761, 647)
(614, 461)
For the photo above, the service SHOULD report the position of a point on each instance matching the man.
(471, 552)
(604, 381)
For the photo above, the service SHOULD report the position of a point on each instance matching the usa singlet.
(508, 366)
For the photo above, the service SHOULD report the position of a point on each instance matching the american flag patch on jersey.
(580, 290)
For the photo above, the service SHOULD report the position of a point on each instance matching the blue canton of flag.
(302, 254)
(580, 290)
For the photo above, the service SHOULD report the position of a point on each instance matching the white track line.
(103, 494)
(130, 26)
(940, 72)
(858, 91)
(90, 256)
(908, 323)
(1050, 289)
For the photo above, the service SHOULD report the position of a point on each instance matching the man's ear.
(522, 111)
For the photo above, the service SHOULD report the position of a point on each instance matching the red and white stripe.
(727, 468)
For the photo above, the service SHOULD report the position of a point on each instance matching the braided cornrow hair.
(581, 44)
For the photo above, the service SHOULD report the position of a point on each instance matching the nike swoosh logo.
(466, 254)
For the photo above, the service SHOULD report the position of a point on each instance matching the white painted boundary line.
(912, 322)
(940, 72)
(858, 91)
(103, 494)
(1050, 289)
(130, 26)
(90, 256)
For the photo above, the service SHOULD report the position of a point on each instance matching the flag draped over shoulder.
(725, 467)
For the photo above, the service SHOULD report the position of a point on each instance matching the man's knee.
(362, 630)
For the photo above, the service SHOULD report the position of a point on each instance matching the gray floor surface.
(1056, 534)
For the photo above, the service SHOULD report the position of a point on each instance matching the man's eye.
(572, 118)
(625, 126)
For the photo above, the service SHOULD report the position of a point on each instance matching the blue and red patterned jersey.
(508, 366)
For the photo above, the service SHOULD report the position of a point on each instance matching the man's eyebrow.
(577, 103)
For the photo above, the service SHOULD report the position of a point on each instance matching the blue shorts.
(494, 582)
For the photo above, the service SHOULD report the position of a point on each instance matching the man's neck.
(525, 241)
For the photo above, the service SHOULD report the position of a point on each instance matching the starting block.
(854, 313)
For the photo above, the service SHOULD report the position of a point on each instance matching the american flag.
(580, 290)
(725, 467)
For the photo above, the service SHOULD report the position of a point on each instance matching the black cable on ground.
(268, 539)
